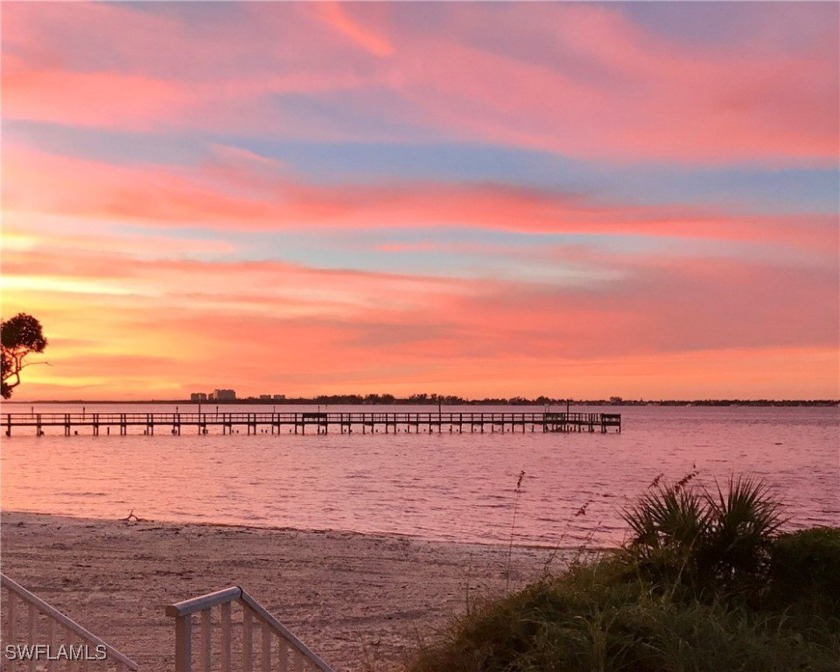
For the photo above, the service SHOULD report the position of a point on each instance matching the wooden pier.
(318, 423)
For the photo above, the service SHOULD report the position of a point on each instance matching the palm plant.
(669, 517)
(706, 540)
(744, 520)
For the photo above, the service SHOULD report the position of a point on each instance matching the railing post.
(183, 643)
(51, 633)
(226, 637)
(247, 641)
(206, 638)
(32, 634)
(10, 624)
(283, 657)
(266, 647)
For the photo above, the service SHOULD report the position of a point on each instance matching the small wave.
(82, 494)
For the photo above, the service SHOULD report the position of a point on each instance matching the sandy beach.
(362, 602)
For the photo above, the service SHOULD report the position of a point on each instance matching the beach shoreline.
(361, 601)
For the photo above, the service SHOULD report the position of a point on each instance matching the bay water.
(448, 486)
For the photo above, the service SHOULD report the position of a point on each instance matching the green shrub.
(587, 621)
(805, 565)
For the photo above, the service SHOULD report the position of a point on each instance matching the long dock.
(318, 423)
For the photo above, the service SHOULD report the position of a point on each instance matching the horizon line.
(444, 400)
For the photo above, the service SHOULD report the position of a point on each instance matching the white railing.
(279, 650)
(48, 638)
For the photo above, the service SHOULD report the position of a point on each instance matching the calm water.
(439, 486)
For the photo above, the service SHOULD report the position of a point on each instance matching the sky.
(483, 199)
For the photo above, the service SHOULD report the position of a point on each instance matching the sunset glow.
(482, 199)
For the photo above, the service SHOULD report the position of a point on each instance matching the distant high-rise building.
(279, 397)
(223, 395)
(265, 397)
(198, 396)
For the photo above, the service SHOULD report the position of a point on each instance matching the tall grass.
(517, 495)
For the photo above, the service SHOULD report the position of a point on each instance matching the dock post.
(38, 425)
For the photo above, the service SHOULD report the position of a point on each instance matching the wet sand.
(362, 602)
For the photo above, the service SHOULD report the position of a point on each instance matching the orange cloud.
(313, 330)
(336, 15)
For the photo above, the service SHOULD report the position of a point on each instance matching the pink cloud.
(582, 80)
(605, 89)
(96, 99)
(238, 192)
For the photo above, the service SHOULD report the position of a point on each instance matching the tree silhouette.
(19, 336)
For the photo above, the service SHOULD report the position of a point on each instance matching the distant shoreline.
(354, 401)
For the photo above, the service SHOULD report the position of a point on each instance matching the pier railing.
(274, 422)
(39, 635)
(278, 648)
